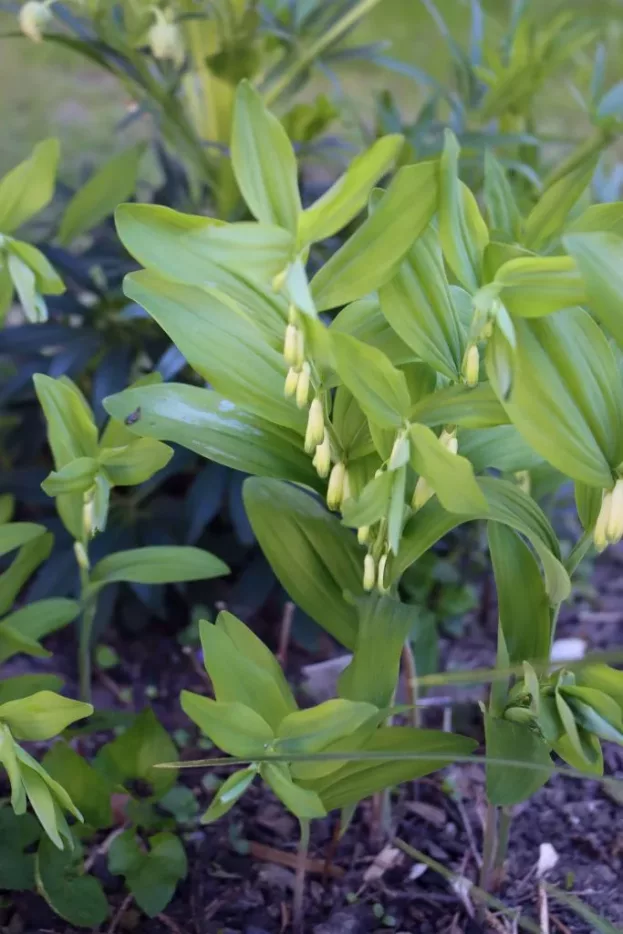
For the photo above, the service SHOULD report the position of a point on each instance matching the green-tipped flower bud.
(600, 535)
(614, 529)
(519, 714)
(34, 16)
(280, 280)
(335, 491)
(423, 492)
(471, 366)
(302, 388)
(363, 534)
(290, 345)
(369, 573)
(400, 452)
(165, 39)
(315, 432)
(291, 383)
(322, 457)
(380, 581)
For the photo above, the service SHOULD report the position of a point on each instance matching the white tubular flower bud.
(380, 583)
(81, 556)
(290, 345)
(335, 492)
(471, 366)
(322, 457)
(363, 534)
(291, 383)
(302, 388)
(450, 441)
(165, 39)
(300, 347)
(600, 535)
(369, 573)
(346, 490)
(34, 16)
(423, 492)
(314, 434)
(614, 527)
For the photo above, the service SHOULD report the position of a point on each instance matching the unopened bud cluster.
(609, 525)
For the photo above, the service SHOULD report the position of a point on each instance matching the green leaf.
(371, 504)
(358, 780)
(71, 430)
(602, 678)
(462, 232)
(510, 784)
(501, 448)
(349, 194)
(217, 429)
(29, 557)
(595, 712)
(15, 534)
(20, 631)
(473, 408)
(151, 876)
(43, 715)
(229, 793)
(364, 320)
(25, 284)
(47, 280)
(379, 388)
(87, 788)
(199, 250)
(17, 834)
(158, 564)
(314, 729)
(450, 475)
(506, 504)
(351, 426)
(241, 668)
(577, 747)
(523, 603)
(566, 397)
(77, 898)
(370, 257)
(384, 626)
(264, 162)
(599, 257)
(98, 198)
(571, 901)
(548, 217)
(302, 802)
(135, 462)
(599, 218)
(232, 726)
(133, 755)
(533, 286)
(418, 305)
(77, 476)
(224, 347)
(29, 187)
(47, 797)
(588, 501)
(25, 685)
(502, 212)
(314, 557)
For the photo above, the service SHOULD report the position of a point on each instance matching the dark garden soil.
(240, 877)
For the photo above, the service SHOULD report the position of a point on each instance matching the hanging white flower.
(165, 39)
(33, 17)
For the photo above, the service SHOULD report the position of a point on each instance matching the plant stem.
(410, 669)
(89, 607)
(504, 828)
(488, 851)
(299, 881)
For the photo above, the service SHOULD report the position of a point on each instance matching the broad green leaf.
(42, 716)
(351, 427)
(151, 875)
(7, 507)
(364, 320)
(224, 347)
(602, 678)
(47, 280)
(17, 835)
(506, 504)
(370, 257)
(358, 780)
(315, 558)
(71, 429)
(76, 897)
(502, 212)
(418, 305)
(264, 162)
(48, 799)
(77, 476)
(23, 628)
(577, 747)
(28, 558)
(228, 793)
(304, 803)
(510, 784)
(501, 448)
(595, 712)
(25, 685)
(371, 504)
(547, 218)
(158, 564)
(349, 194)
(15, 534)
(87, 788)
(599, 218)
(217, 429)
(588, 503)
(232, 726)
(29, 187)
(242, 669)
(312, 730)
(98, 198)
(384, 626)
(523, 603)
(532, 286)
(25, 284)
(462, 232)
(599, 257)
(135, 462)
(133, 755)
(450, 475)
(198, 250)
(379, 388)
(566, 396)
(472, 408)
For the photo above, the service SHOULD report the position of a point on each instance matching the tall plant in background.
(465, 346)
